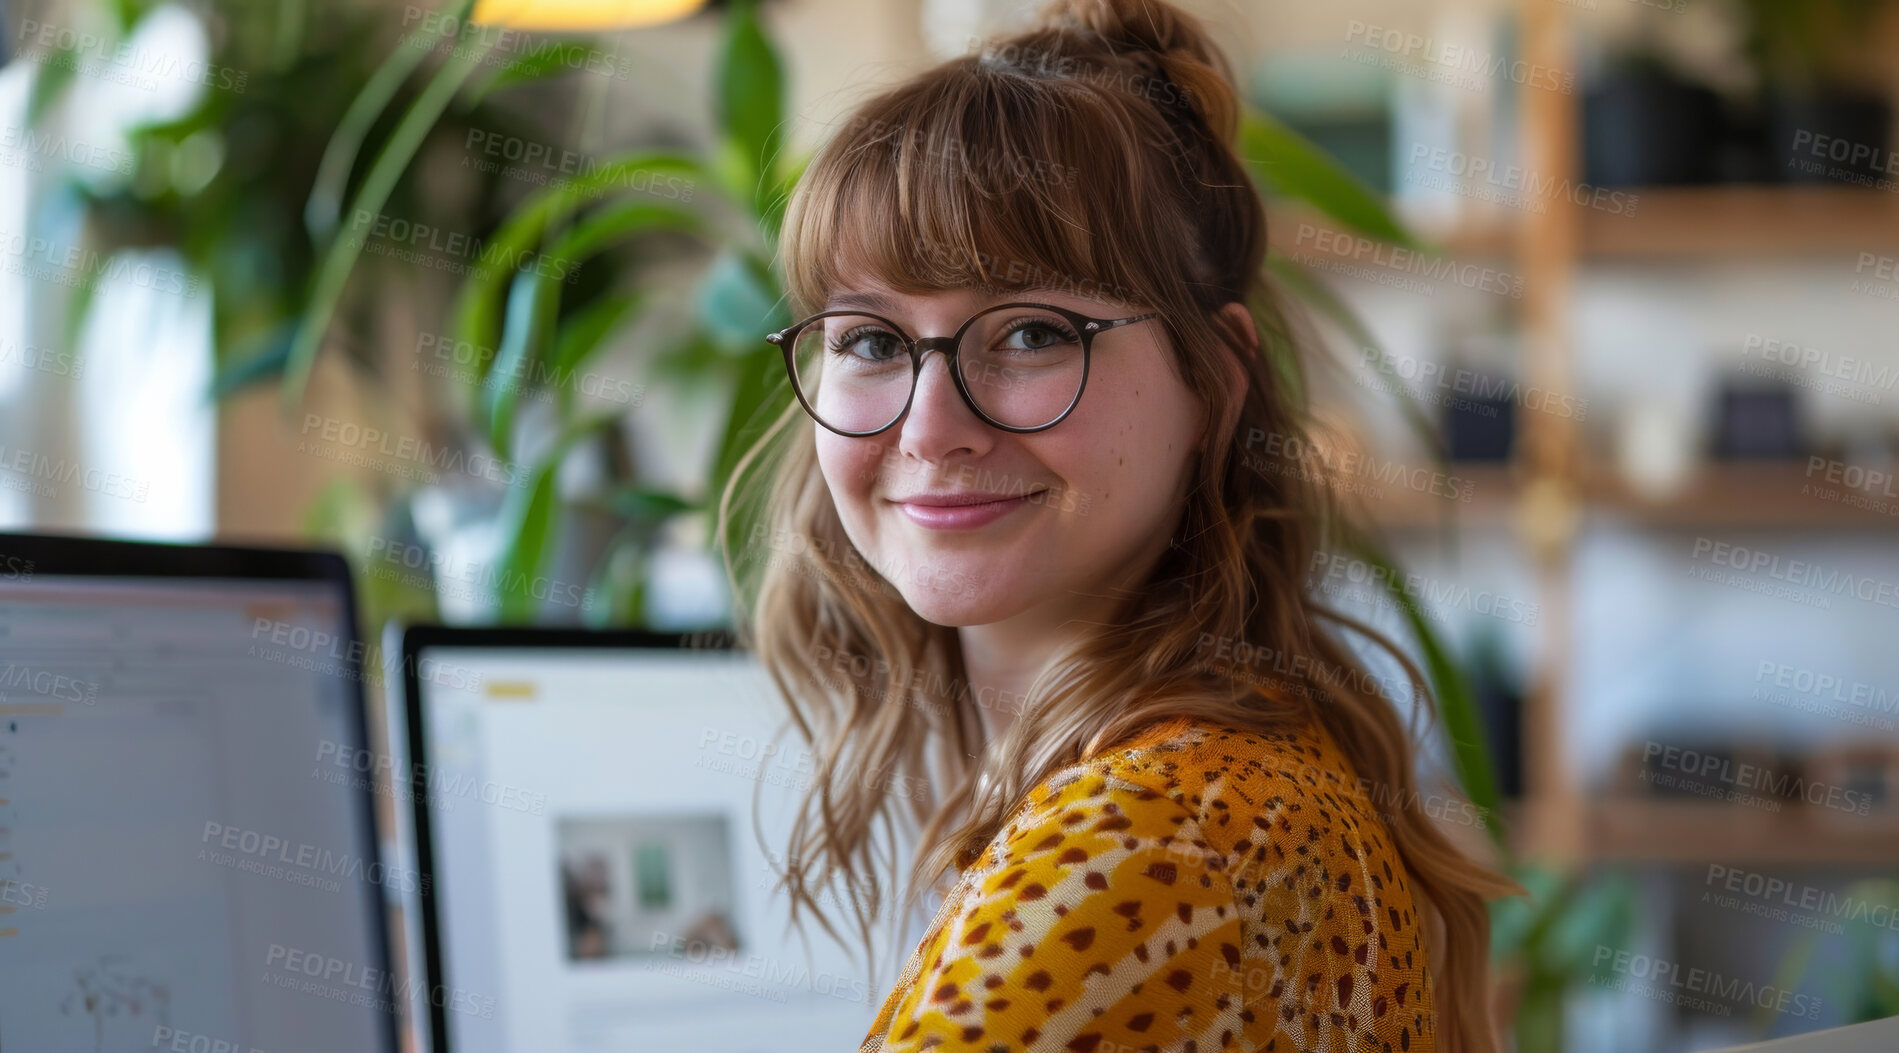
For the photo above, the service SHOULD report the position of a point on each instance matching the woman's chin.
(958, 602)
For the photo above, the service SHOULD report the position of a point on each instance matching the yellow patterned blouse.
(1197, 888)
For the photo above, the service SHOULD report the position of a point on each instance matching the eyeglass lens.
(1022, 367)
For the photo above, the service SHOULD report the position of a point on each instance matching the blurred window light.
(557, 15)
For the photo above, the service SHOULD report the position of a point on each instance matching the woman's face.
(1104, 487)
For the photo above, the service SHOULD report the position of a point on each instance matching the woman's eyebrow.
(872, 301)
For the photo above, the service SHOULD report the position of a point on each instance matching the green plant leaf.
(760, 390)
(1456, 700)
(477, 309)
(51, 75)
(735, 309)
(339, 259)
(323, 210)
(648, 506)
(532, 301)
(255, 368)
(1315, 295)
(1291, 165)
(581, 337)
(544, 62)
(612, 223)
(530, 515)
(751, 105)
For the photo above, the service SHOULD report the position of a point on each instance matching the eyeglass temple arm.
(1099, 326)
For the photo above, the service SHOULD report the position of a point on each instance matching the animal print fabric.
(1197, 888)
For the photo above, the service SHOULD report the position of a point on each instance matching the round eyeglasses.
(1019, 366)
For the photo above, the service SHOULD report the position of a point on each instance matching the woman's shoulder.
(1285, 792)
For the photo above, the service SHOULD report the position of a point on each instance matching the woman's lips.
(961, 517)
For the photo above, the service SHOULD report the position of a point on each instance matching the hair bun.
(1174, 41)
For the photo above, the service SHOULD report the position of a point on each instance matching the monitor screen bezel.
(81, 556)
(416, 639)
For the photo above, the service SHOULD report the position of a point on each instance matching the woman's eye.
(1038, 336)
(873, 344)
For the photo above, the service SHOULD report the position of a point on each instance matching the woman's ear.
(1242, 337)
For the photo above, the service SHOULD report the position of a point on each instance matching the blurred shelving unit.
(1668, 831)
(1552, 489)
(1735, 495)
(1685, 223)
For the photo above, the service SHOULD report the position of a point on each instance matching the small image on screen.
(636, 886)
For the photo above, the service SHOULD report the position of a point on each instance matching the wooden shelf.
(1643, 830)
(1762, 221)
(1766, 495)
(1791, 220)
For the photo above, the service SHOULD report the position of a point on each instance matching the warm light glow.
(581, 14)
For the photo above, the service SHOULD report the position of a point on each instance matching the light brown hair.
(1093, 151)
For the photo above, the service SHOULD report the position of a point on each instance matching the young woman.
(1002, 585)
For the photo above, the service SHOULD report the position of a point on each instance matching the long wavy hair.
(1094, 151)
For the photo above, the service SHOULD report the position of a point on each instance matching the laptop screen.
(597, 881)
(178, 866)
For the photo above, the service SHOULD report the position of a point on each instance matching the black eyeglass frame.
(1086, 326)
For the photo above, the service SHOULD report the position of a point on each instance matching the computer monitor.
(584, 806)
(179, 865)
